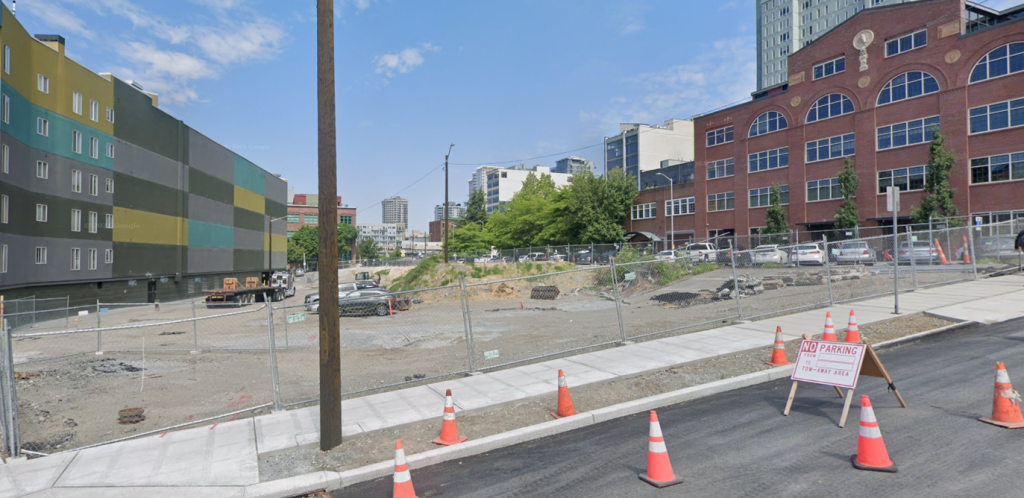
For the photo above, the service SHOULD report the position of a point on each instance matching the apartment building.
(395, 210)
(503, 183)
(573, 166)
(641, 147)
(456, 211)
(385, 234)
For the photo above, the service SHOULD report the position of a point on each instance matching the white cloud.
(404, 61)
(633, 26)
(219, 4)
(240, 42)
(731, 4)
(362, 4)
(58, 16)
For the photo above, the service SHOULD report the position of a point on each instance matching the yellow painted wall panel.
(280, 242)
(250, 201)
(141, 227)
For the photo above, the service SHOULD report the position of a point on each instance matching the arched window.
(907, 86)
(1004, 60)
(830, 106)
(768, 122)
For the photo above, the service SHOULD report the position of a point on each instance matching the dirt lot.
(71, 396)
(378, 446)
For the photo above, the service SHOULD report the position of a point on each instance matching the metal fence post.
(67, 311)
(970, 248)
(735, 281)
(99, 333)
(828, 271)
(465, 324)
(618, 301)
(195, 334)
(12, 434)
(273, 355)
(913, 258)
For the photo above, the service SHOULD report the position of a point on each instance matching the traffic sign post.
(840, 365)
(892, 203)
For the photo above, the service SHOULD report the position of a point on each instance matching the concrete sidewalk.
(222, 459)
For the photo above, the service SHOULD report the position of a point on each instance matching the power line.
(439, 166)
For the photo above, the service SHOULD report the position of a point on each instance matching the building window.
(5, 166)
(7, 59)
(110, 150)
(76, 259)
(345, 219)
(997, 116)
(76, 180)
(108, 256)
(907, 179)
(76, 103)
(42, 127)
(43, 84)
(94, 148)
(762, 197)
(76, 220)
(906, 43)
(110, 115)
(829, 106)
(42, 170)
(769, 159)
(677, 207)
(94, 185)
(721, 169)
(768, 122)
(76, 142)
(1004, 60)
(7, 109)
(1001, 168)
(294, 219)
(42, 212)
(94, 221)
(829, 68)
(907, 86)
(310, 219)
(3, 255)
(110, 185)
(92, 259)
(41, 255)
(830, 148)
(823, 190)
(644, 211)
(94, 110)
(5, 205)
(721, 202)
(719, 136)
(909, 133)
(109, 221)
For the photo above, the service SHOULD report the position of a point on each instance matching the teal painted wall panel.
(249, 176)
(23, 127)
(202, 234)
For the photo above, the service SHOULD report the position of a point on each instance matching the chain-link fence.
(95, 374)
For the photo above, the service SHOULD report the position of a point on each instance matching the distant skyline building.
(641, 147)
(503, 183)
(479, 180)
(395, 210)
(456, 211)
(384, 234)
(573, 166)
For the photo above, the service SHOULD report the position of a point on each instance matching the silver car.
(855, 253)
(922, 252)
(701, 251)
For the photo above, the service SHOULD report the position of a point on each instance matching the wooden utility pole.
(330, 343)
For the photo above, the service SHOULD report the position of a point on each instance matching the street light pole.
(671, 188)
(445, 228)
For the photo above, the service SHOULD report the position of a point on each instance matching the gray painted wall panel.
(210, 157)
(249, 239)
(209, 259)
(132, 160)
(279, 259)
(202, 209)
(276, 189)
(21, 258)
(22, 174)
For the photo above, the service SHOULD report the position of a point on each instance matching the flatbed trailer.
(242, 296)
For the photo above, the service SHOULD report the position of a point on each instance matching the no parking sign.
(829, 363)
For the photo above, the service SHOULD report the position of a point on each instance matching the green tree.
(938, 200)
(476, 208)
(347, 235)
(775, 217)
(367, 249)
(846, 215)
(592, 209)
(525, 216)
(305, 240)
(468, 238)
(295, 252)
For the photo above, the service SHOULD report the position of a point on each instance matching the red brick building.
(304, 210)
(436, 229)
(920, 68)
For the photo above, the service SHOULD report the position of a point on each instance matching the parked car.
(701, 251)
(312, 301)
(482, 259)
(855, 253)
(923, 253)
(806, 254)
(556, 256)
(376, 301)
(606, 257)
(997, 247)
(666, 256)
(538, 256)
(299, 272)
(524, 258)
(583, 258)
(769, 253)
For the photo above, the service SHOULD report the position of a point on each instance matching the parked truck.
(233, 294)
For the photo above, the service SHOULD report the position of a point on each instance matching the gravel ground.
(368, 448)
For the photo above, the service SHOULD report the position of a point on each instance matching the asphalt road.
(739, 444)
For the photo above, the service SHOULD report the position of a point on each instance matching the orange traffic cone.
(565, 407)
(779, 351)
(852, 332)
(941, 254)
(871, 453)
(659, 468)
(449, 430)
(830, 330)
(1005, 402)
(403, 480)
(967, 252)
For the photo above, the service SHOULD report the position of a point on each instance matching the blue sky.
(504, 80)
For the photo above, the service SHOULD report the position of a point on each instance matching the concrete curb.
(291, 486)
(919, 335)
